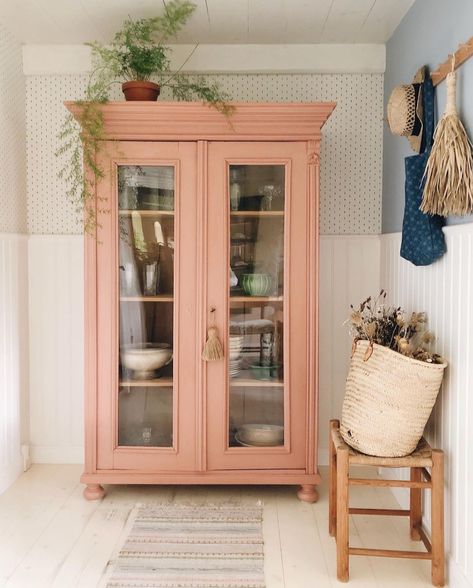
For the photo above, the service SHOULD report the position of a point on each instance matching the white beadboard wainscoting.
(444, 290)
(56, 348)
(349, 272)
(13, 355)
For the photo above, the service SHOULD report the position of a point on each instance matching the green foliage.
(136, 53)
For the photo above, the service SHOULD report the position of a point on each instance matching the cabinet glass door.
(146, 316)
(146, 280)
(256, 313)
(258, 285)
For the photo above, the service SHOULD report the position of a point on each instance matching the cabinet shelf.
(256, 299)
(157, 383)
(261, 213)
(147, 212)
(253, 383)
(157, 298)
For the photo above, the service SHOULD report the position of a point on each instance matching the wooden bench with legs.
(342, 457)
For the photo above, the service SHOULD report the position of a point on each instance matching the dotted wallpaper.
(12, 136)
(351, 164)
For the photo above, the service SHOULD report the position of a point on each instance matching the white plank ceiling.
(215, 21)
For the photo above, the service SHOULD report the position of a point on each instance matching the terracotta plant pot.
(140, 90)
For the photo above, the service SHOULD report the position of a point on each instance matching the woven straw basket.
(388, 400)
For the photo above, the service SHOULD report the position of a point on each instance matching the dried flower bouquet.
(392, 327)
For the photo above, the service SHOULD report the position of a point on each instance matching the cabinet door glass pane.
(256, 326)
(146, 270)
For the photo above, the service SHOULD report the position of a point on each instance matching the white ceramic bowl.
(144, 358)
(258, 434)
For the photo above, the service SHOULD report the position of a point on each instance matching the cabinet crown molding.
(147, 121)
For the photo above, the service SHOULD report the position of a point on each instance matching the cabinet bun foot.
(94, 492)
(307, 493)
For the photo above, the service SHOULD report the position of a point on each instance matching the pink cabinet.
(204, 220)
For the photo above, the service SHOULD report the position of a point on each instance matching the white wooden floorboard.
(51, 537)
(303, 562)
(90, 554)
(28, 508)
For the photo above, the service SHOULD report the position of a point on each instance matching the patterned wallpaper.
(12, 136)
(351, 147)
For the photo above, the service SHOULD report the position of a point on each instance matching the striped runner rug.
(182, 546)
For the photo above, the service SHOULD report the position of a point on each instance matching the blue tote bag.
(423, 240)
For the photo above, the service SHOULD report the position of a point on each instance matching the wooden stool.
(342, 456)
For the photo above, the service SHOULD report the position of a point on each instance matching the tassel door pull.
(213, 349)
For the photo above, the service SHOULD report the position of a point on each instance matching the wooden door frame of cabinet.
(191, 121)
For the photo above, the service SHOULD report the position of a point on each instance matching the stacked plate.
(234, 353)
(234, 368)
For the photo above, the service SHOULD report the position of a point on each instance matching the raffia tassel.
(449, 171)
(213, 348)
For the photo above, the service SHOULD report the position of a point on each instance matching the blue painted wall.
(428, 33)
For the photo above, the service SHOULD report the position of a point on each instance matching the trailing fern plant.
(137, 52)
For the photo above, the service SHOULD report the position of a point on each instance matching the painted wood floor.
(51, 537)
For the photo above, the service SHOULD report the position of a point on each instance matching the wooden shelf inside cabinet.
(157, 298)
(157, 383)
(147, 212)
(252, 383)
(256, 299)
(259, 213)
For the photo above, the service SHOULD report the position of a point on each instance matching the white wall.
(56, 300)
(13, 261)
(444, 290)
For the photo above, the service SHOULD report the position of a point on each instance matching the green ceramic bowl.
(257, 284)
(265, 372)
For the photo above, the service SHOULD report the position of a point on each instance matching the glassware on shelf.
(236, 178)
(267, 349)
(146, 434)
(235, 195)
(128, 181)
(166, 200)
(269, 192)
(150, 278)
(129, 283)
(233, 279)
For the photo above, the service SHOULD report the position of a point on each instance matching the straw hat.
(405, 111)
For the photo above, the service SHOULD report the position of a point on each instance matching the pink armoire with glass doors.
(203, 221)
